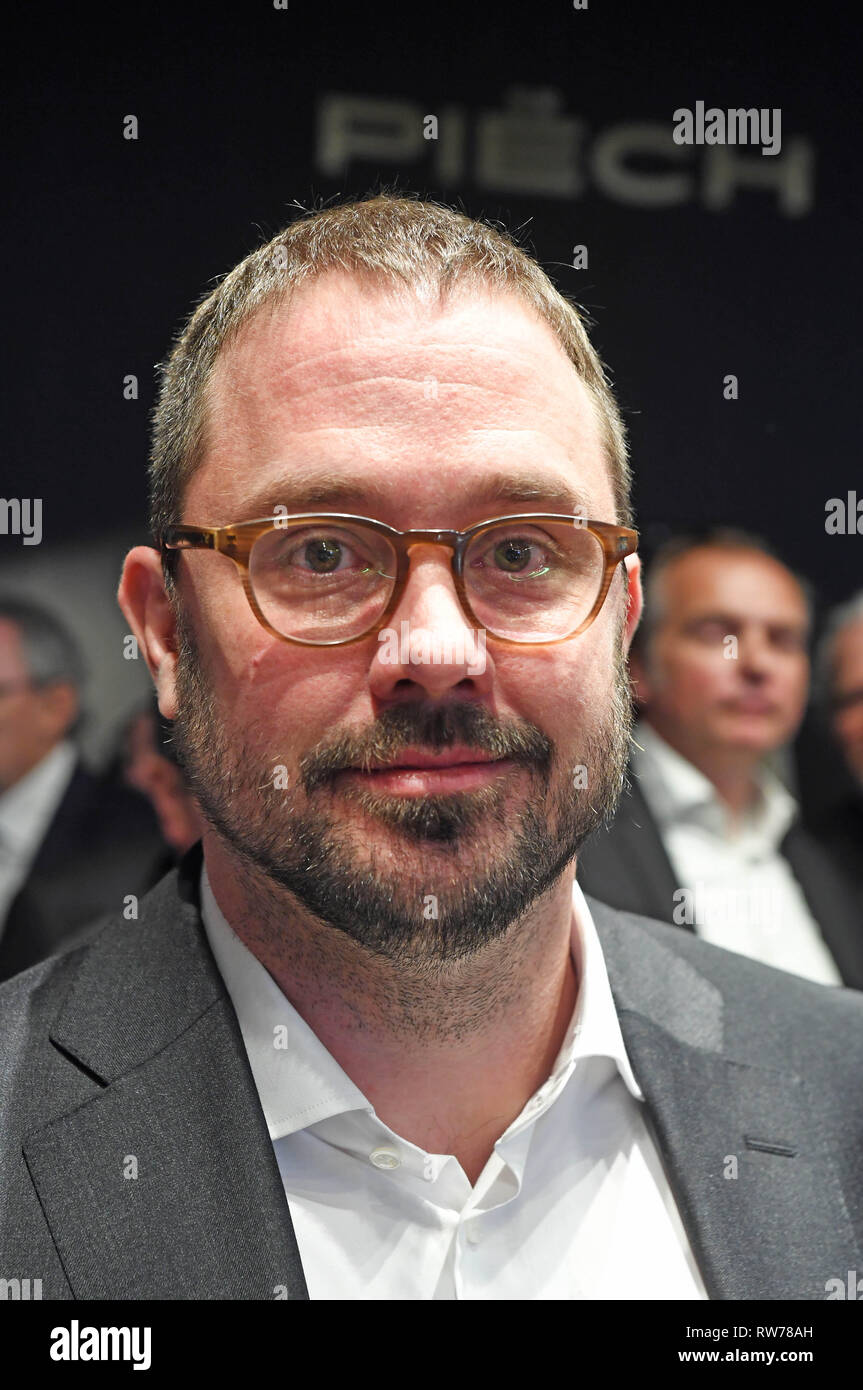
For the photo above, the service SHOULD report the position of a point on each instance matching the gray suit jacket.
(124, 1054)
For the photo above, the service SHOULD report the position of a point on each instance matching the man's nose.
(430, 640)
(757, 658)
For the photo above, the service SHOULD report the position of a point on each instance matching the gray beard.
(458, 869)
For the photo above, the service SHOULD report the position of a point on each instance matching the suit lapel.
(164, 1184)
(644, 850)
(749, 1169)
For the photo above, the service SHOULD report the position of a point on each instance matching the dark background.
(109, 241)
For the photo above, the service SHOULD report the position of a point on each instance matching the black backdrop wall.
(703, 262)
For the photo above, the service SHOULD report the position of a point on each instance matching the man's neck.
(449, 1056)
(734, 773)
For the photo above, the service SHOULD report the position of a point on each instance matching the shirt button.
(473, 1235)
(384, 1158)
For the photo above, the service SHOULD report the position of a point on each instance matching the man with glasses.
(373, 1042)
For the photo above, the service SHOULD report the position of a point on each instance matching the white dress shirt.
(572, 1204)
(26, 811)
(735, 888)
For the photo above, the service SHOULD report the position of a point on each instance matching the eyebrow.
(336, 490)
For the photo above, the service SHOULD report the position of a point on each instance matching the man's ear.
(638, 672)
(145, 603)
(634, 598)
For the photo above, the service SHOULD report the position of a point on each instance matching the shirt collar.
(595, 1027)
(677, 791)
(675, 786)
(28, 807)
(300, 1083)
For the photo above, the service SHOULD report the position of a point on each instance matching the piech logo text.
(737, 126)
(77, 1343)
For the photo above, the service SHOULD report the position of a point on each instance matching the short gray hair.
(51, 653)
(846, 615)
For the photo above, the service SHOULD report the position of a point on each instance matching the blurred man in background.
(708, 837)
(841, 672)
(72, 846)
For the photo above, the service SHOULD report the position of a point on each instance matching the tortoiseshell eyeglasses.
(326, 579)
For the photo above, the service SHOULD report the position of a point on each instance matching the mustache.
(432, 729)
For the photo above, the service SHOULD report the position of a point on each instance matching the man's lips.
(417, 757)
(416, 773)
(751, 704)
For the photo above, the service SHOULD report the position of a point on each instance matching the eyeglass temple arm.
(190, 538)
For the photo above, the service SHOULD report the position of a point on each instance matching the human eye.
(789, 639)
(711, 630)
(518, 555)
(316, 551)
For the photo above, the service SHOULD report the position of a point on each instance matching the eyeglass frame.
(236, 540)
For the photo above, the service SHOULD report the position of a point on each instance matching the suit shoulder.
(43, 983)
(757, 999)
(79, 992)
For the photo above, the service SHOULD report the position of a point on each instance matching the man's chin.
(451, 819)
(751, 734)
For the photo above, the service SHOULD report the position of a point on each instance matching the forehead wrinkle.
(363, 352)
(365, 317)
(383, 392)
(256, 425)
(262, 364)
